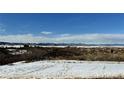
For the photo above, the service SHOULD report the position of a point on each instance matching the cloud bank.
(83, 38)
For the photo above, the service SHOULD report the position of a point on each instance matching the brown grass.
(68, 53)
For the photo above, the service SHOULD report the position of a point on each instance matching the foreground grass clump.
(55, 53)
(100, 77)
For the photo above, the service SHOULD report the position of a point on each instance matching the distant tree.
(26, 45)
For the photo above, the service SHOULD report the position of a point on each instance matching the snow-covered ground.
(62, 69)
(14, 46)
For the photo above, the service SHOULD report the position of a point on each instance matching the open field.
(62, 62)
(63, 69)
(29, 54)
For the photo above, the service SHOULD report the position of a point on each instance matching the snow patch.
(62, 69)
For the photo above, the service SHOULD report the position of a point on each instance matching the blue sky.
(73, 27)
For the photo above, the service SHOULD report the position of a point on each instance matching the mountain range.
(59, 44)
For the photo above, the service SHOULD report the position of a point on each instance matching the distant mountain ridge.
(59, 44)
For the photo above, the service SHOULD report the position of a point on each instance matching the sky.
(88, 28)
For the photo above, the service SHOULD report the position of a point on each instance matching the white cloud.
(46, 32)
(26, 38)
(94, 38)
(84, 38)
